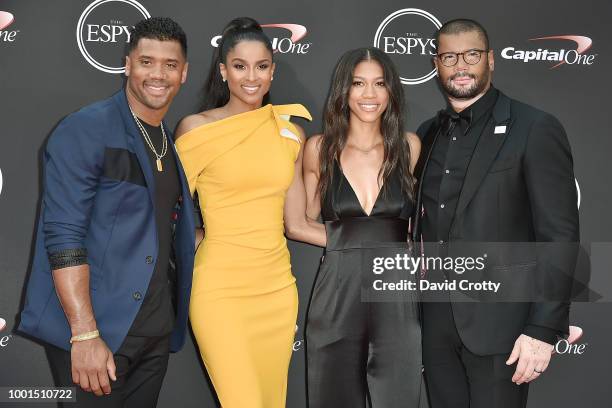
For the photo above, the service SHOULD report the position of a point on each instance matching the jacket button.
(137, 296)
(149, 259)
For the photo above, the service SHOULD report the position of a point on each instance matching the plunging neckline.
(355, 192)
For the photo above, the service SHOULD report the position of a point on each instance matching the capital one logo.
(297, 344)
(285, 38)
(6, 19)
(4, 339)
(571, 51)
(407, 36)
(569, 345)
(103, 31)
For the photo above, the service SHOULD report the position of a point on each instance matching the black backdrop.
(44, 75)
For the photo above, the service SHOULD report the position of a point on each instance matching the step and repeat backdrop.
(57, 56)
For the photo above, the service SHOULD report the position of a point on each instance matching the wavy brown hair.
(337, 114)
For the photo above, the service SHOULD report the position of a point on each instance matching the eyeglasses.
(471, 57)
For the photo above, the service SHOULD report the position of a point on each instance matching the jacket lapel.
(134, 138)
(179, 167)
(489, 143)
(420, 169)
(185, 232)
(427, 145)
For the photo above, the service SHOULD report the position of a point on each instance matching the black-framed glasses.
(471, 57)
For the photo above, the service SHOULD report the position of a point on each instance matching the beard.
(480, 84)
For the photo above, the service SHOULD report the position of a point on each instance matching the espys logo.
(407, 36)
(104, 29)
(559, 56)
(4, 339)
(281, 43)
(6, 19)
(570, 346)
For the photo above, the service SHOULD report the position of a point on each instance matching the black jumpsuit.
(360, 350)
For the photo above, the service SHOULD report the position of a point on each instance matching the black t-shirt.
(157, 312)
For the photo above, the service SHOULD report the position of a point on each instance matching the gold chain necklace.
(147, 139)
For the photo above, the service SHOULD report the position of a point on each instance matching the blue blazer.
(99, 195)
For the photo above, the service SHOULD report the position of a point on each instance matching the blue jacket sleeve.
(73, 163)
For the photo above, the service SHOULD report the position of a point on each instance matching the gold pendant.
(159, 165)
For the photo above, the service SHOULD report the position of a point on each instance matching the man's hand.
(92, 365)
(92, 360)
(533, 357)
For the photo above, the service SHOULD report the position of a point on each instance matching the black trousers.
(141, 366)
(457, 378)
(360, 352)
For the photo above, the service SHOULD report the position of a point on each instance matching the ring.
(539, 372)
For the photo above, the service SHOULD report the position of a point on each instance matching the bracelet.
(85, 336)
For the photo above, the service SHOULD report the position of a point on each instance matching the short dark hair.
(157, 28)
(463, 25)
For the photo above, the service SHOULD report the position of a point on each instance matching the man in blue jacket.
(105, 294)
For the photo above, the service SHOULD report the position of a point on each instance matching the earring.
(224, 79)
(272, 79)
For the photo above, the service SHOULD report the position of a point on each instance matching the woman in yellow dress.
(245, 159)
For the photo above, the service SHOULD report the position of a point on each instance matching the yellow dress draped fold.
(244, 299)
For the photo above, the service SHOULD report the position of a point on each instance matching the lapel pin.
(500, 129)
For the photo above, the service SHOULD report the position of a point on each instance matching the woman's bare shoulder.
(191, 122)
(315, 141)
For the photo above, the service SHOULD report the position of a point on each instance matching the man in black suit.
(492, 170)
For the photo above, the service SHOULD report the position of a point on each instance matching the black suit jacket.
(519, 187)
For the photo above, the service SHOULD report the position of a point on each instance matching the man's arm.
(73, 164)
(549, 178)
(92, 361)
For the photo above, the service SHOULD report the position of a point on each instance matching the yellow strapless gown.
(244, 300)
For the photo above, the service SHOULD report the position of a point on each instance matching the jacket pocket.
(504, 164)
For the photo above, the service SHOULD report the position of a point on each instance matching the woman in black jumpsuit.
(357, 177)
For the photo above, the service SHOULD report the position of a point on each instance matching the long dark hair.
(216, 93)
(337, 113)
